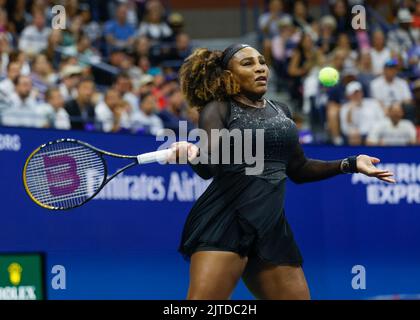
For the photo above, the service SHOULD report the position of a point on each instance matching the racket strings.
(65, 174)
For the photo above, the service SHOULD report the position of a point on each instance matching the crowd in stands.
(377, 99)
(114, 68)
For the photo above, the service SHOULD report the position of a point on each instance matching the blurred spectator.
(342, 14)
(145, 84)
(34, 38)
(43, 75)
(175, 112)
(4, 29)
(142, 47)
(359, 114)
(146, 120)
(111, 113)
(81, 110)
(124, 86)
(118, 32)
(269, 24)
(344, 44)
(90, 27)
(53, 48)
(86, 54)
(301, 18)
(173, 56)
(379, 52)
(154, 25)
(7, 86)
(305, 133)
(5, 50)
(305, 57)
(416, 16)
(57, 115)
(364, 71)
(70, 77)
(21, 110)
(18, 16)
(336, 95)
(404, 36)
(416, 93)
(176, 23)
(327, 39)
(393, 130)
(283, 45)
(389, 88)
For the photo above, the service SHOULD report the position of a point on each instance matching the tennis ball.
(328, 76)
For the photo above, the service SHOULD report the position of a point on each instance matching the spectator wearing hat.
(389, 88)
(119, 34)
(404, 36)
(176, 23)
(393, 130)
(359, 114)
(327, 39)
(379, 52)
(70, 77)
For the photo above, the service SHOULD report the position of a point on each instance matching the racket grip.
(155, 156)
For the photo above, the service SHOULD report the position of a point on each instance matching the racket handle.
(155, 156)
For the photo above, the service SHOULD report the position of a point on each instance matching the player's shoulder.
(283, 106)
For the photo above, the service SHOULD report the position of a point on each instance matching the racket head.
(64, 174)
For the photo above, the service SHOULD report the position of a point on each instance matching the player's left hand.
(366, 165)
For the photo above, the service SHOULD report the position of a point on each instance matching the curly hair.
(203, 79)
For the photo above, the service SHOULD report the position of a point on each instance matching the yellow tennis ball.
(328, 76)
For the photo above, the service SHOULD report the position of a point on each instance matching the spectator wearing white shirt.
(359, 114)
(22, 110)
(379, 53)
(154, 25)
(146, 120)
(124, 85)
(389, 88)
(7, 86)
(70, 77)
(110, 112)
(404, 37)
(54, 108)
(34, 38)
(393, 130)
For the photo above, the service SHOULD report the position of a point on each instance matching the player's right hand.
(183, 150)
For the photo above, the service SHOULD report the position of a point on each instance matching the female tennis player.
(238, 228)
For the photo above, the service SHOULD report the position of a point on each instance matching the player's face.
(250, 71)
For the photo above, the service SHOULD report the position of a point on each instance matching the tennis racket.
(67, 173)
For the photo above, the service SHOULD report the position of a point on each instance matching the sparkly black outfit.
(245, 213)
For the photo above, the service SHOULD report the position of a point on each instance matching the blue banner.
(359, 237)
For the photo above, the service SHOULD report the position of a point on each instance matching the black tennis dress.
(244, 213)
